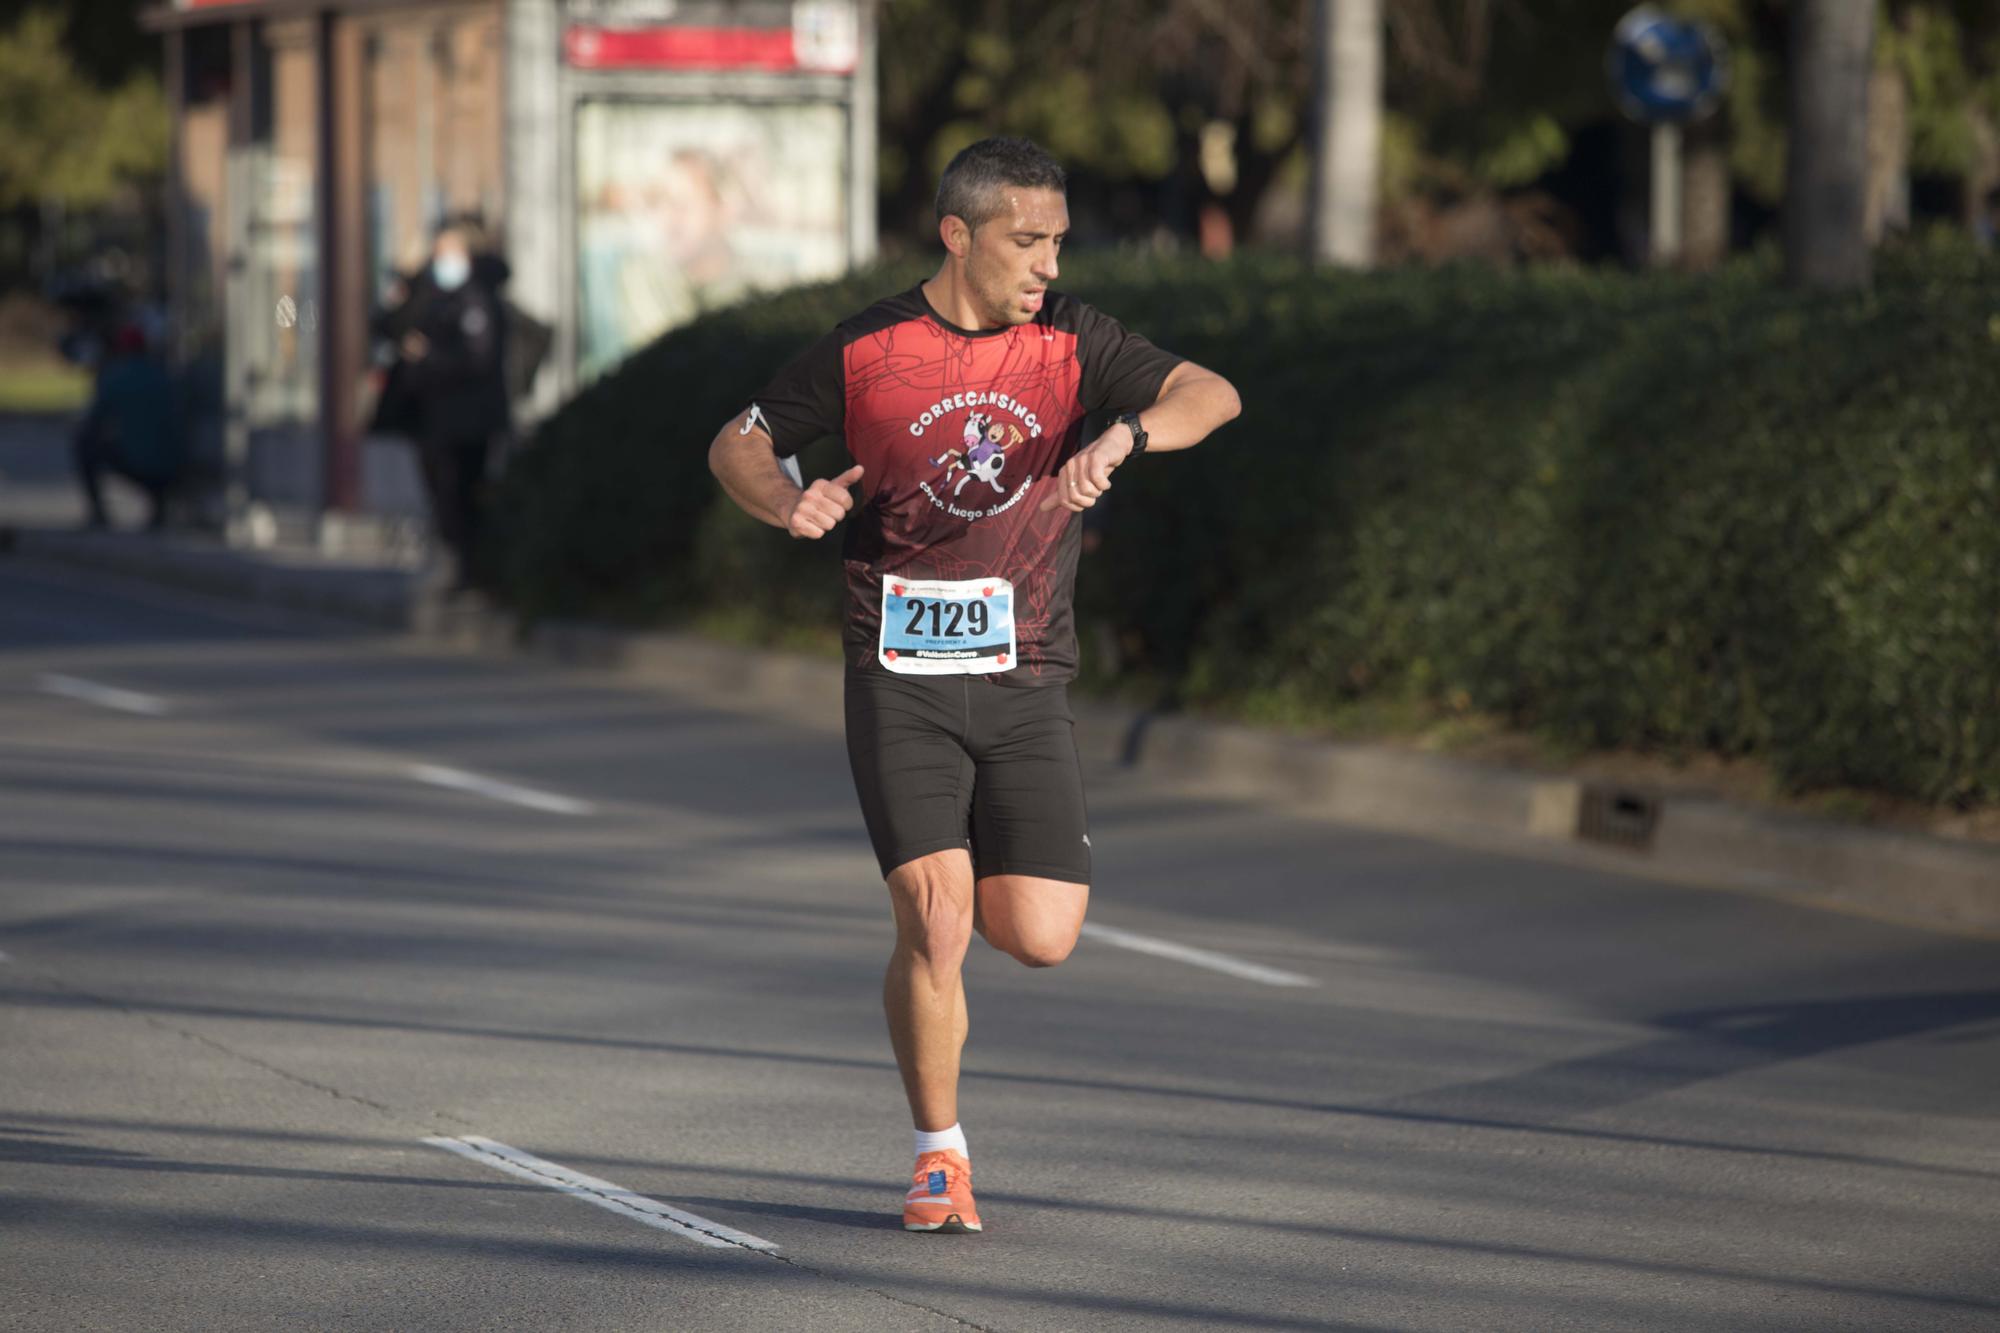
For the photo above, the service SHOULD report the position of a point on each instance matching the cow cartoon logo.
(982, 453)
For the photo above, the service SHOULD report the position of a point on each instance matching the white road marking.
(1184, 953)
(616, 1198)
(493, 789)
(104, 696)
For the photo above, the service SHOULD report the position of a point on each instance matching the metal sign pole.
(1665, 237)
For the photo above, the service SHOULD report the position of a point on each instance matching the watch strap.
(1131, 423)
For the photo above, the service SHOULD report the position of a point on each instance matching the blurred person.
(959, 633)
(131, 428)
(448, 387)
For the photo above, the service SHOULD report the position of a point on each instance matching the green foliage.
(1478, 97)
(1756, 116)
(953, 73)
(1120, 90)
(1948, 52)
(103, 37)
(1930, 48)
(1489, 95)
(42, 387)
(68, 141)
(1651, 511)
(1535, 146)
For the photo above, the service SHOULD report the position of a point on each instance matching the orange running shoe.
(940, 1197)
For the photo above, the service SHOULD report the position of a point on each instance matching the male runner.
(960, 567)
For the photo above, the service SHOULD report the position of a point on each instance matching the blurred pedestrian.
(447, 389)
(131, 428)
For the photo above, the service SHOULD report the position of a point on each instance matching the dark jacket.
(134, 408)
(457, 391)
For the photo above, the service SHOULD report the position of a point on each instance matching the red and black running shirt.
(958, 432)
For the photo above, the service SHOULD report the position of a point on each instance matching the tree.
(1347, 125)
(68, 142)
(1485, 98)
(1198, 102)
(1946, 56)
(1826, 169)
(1192, 113)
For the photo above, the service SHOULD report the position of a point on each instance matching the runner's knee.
(1034, 946)
(1042, 952)
(1032, 920)
(940, 941)
(932, 900)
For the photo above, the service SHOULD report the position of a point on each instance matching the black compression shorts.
(958, 761)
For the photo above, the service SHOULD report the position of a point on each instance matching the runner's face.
(1012, 259)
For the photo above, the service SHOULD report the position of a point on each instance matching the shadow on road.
(43, 1147)
(1919, 1014)
(1705, 1044)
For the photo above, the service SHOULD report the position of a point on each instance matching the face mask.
(451, 271)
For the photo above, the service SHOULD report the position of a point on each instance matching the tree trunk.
(1888, 153)
(1826, 166)
(1982, 178)
(1705, 195)
(1347, 120)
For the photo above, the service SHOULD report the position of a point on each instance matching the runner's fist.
(822, 505)
(1087, 475)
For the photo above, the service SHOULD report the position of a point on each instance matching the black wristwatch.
(1130, 420)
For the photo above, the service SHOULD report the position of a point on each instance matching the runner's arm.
(1193, 403)
(744, 461)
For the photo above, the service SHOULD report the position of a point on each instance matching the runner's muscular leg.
(1034, 920)
(923, 993)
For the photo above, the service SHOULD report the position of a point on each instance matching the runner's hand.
(1087, 475)
(822, 505)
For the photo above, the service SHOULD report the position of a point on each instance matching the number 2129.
(947, 618)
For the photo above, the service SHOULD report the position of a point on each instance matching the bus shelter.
(638, 161)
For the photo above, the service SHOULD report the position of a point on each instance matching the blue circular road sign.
(1666, 69)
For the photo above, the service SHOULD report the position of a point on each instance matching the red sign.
(692, 48)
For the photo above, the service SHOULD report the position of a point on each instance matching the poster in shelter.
(686, 207)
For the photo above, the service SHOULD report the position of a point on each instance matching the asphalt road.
(269, 926)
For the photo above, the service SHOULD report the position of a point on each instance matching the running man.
(958, 629)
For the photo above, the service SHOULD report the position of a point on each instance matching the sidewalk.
(1695, 840)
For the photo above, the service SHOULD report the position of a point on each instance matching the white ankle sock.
(941, 1139)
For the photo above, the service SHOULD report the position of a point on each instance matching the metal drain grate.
(1619, 816)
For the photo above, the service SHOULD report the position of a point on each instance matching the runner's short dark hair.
(972, 181)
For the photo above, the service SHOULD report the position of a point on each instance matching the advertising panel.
(685, 207)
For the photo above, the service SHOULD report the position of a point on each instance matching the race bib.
(961, 628)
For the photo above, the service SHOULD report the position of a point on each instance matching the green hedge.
(1665, 512)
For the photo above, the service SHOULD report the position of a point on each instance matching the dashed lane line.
(614, 1198)
(104, 696)
(1187, 953)
(457, 779)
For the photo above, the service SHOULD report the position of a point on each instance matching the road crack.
(157, 1023)
(438, 1118)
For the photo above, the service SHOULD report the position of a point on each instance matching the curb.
(1909, 877)
(372, 595)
